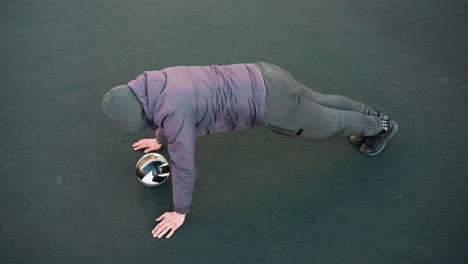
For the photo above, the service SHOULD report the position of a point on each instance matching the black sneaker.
(359, 140)
(375, 144)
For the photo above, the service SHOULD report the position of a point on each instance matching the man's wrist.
(182, 211)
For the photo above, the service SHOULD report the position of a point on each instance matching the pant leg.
(288, 111)
(312, 120)
(335, 101)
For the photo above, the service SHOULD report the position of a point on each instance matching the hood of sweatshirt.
(148, 88)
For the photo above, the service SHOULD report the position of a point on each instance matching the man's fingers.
(154, 230)
(150, 148)
(140, 146)
(137, 143)
(161, 217)
(171, 233)
(159, 229)
(163, 231)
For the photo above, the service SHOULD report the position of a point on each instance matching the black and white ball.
(152, 169)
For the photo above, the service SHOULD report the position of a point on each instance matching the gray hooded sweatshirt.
(184, 102)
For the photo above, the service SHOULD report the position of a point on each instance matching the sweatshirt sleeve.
(180, 131)
(160, 136)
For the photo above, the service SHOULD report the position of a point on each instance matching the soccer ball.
(152, 169)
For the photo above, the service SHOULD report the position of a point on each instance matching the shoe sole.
(394, 130)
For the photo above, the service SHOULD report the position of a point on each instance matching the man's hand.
(149, 144)
(169, 221)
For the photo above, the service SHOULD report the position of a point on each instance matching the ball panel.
(148, 179)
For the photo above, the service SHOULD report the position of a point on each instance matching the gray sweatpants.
(295, 110)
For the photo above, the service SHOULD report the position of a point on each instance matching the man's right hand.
(149, 144)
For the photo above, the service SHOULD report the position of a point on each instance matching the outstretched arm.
(180, 131)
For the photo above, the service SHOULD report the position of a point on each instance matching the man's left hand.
(169, 221)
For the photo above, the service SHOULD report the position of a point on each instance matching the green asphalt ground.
(68, 190)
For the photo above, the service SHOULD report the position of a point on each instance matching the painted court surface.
(69, 194)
